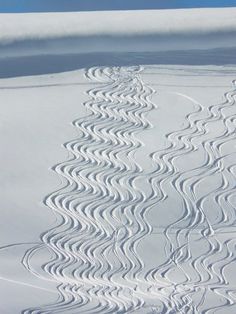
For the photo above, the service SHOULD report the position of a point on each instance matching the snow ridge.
(121, 31)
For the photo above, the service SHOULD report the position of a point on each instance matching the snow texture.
(118, 179)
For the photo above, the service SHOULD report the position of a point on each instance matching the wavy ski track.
(202, 273)
(101, 212)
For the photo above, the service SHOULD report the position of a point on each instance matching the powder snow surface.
(118, 162)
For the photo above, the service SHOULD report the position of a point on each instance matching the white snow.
(126, 31)
(118, 180)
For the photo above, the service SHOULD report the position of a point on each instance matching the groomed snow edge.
(126, 31)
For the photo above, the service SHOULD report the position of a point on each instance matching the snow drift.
(126, 31)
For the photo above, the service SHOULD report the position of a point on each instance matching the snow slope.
(118, 182)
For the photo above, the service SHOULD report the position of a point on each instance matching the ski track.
(102, 214)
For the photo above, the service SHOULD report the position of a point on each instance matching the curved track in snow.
(204, 273)
(102, 213)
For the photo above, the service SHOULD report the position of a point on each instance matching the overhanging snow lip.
(116, 31)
